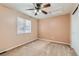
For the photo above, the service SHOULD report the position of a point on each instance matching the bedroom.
(53, 30)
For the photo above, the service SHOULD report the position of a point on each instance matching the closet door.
(75, 31)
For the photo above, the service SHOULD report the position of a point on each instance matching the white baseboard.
(55, 41)
(5, 50)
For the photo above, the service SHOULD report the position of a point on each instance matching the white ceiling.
(55, 9)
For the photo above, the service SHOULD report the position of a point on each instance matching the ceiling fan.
(39, 7)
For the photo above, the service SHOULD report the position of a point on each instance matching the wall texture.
(8, 37)
(55, 28)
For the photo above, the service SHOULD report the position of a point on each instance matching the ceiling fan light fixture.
(38, 8)
(35, 11)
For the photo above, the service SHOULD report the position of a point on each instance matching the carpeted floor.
(41, 48)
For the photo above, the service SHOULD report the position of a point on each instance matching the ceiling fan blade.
(47, 5)
(34, 5)
(30, 9)
(44, 11)
(35, 13)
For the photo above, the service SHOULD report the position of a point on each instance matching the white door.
(75, 31)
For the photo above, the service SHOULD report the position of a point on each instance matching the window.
(23, 25)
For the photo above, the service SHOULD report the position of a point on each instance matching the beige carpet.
(41, 48)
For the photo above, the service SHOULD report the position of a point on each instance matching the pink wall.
(55, 28)
(8, 37)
